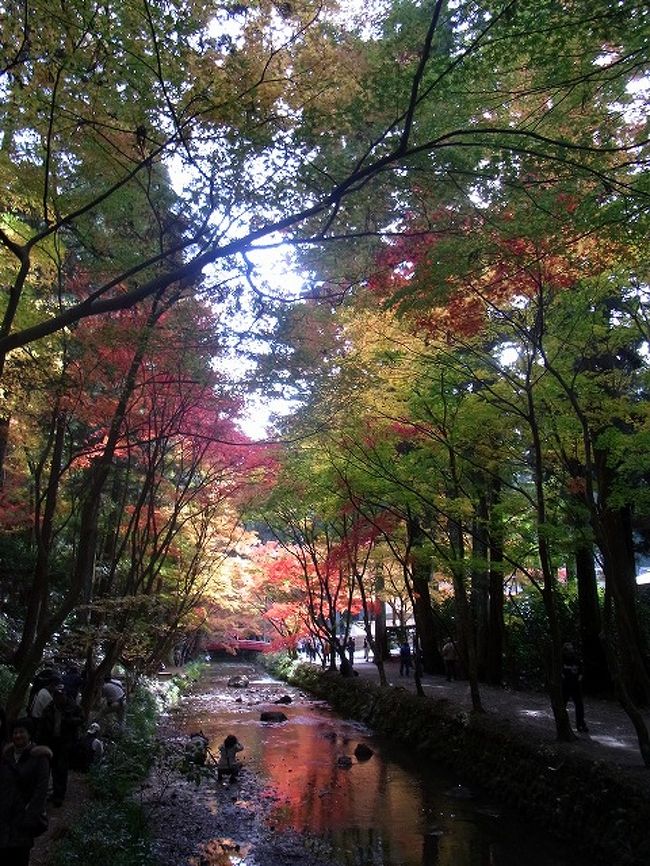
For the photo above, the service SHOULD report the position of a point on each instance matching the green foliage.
(114, 833)
(7, 678)
(282, 664)
(191, 673)
(526, 636)
(130, 758)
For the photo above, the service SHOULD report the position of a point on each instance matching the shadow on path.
(610, 738)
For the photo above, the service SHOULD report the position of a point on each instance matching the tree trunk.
(37, 605)
(618, 675)
(553, 657)
(614, 536)
(425, 623)
(496, 629)
(596, 673)
(480, 585)
(4, 442)
(88, 521)
(463, 610)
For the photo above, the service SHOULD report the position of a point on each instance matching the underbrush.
(112, 829)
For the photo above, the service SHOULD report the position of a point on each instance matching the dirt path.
(62, 818)
(611, 737)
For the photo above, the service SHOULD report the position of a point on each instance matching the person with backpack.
(40, 694)
(88, 750)
(114, 696)
(59, 729)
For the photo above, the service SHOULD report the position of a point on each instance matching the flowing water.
(386, 811)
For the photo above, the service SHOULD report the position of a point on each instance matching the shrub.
(7, 678)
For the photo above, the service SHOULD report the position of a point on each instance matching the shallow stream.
(385, 811)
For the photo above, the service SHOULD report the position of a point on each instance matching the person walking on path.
(59, 730)
(73, 681)
(228, 765)
(41, 693)
(450, 659)
(572, 683)
(405, 659)
(114, 695)
(24, 778)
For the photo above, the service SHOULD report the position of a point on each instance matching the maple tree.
(280, 115)
(457, 181)
(146, 499)
(541, 297)
(329, 561)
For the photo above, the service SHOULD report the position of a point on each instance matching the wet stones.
(238, 682)
(272, 716)
(285, 699)
(362, 752)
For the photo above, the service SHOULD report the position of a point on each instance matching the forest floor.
(188, 811)
(62, 818)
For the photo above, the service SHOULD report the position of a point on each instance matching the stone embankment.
(602, 808)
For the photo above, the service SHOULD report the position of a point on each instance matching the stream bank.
(308, 795)
(601, 809)
(195, 820)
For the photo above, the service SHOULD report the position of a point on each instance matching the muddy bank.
(219, 825)
(224, 823)
(602, 810)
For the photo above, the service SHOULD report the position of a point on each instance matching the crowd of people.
(40, 748)
(452, 661)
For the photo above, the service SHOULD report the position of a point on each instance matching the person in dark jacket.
(572, 683)
(405, 659)
(73, 681)
(59, 729)
(24, 777)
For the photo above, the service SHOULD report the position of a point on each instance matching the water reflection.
(381, 812)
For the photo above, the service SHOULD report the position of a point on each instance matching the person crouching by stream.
(24, 779)
(228, 765)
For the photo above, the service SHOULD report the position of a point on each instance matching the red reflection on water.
(314, 792)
